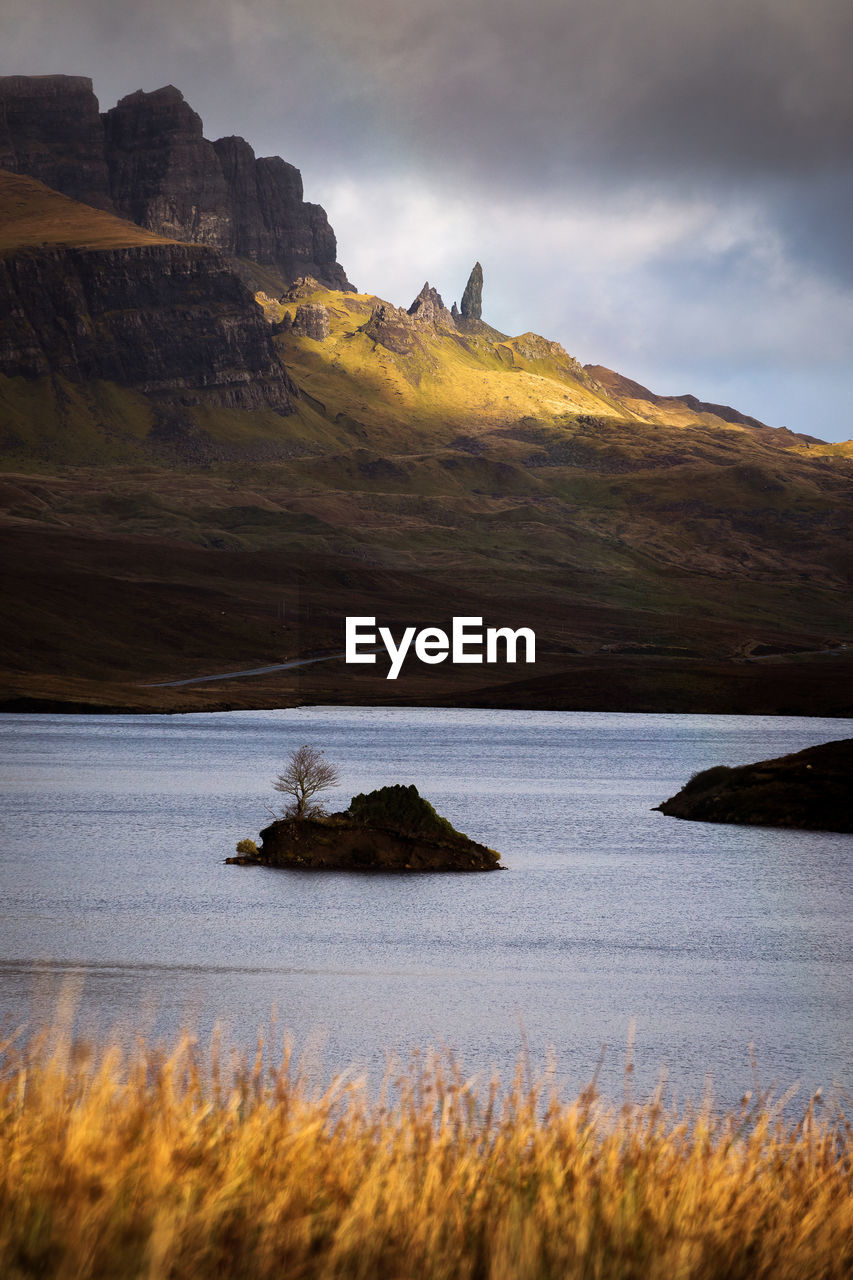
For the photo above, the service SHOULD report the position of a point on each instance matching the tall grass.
(182, 1164)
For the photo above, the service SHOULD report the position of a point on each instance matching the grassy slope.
(447, 383)
(33, 216)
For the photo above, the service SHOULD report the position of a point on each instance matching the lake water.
(708, 938)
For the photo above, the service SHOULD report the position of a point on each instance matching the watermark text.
(468, 642)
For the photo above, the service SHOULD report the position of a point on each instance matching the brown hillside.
(32, 216)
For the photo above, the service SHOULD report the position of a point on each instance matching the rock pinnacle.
(472, 298)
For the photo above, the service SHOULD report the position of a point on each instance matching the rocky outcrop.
(471, 306)
(811, 789)
(302, 287)
(148, 160)
(533, 347)
(429, 309)
(51, 129)
(165, 175)
(390, 327)
(401, 330)
(391, 829)
(469, 320)
(170, 320)
(311, 321)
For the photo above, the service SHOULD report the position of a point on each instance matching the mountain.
(51, 130)
(147, 160)
(198, 480)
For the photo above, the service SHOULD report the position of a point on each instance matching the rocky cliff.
(87, 299)
(164, 174)
(51, 129)
(167, 318)
(147, 159)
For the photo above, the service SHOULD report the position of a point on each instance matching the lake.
(707, 939)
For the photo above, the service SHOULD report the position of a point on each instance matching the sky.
(663, 186)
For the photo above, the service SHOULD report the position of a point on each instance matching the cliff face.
(163, 173)
(168, 320)
(270, 222)
(148, 160)
(50, 129)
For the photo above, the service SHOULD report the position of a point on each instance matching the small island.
(810, 790)
(391, 829)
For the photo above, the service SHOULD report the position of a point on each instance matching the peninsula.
(809, 789)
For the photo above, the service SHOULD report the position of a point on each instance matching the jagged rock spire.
(428, 306)
(472, 298)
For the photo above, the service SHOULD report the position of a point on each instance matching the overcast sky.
(664, 186)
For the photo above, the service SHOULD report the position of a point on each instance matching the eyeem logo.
(466, 643)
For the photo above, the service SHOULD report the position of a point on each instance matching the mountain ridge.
(147, 160)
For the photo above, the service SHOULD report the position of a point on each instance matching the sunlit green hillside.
(440, 381)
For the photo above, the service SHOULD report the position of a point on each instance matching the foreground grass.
(156, 1165)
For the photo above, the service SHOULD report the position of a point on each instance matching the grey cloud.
(754, 85)
(681, 87)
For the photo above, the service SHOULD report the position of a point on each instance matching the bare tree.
(305, 773)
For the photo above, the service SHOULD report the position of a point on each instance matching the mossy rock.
(400, 808)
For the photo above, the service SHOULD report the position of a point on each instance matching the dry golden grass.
(155, 1165)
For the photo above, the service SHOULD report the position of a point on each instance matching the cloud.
(666, 267)
(682, 88)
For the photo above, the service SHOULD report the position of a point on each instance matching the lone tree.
(305, 773)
